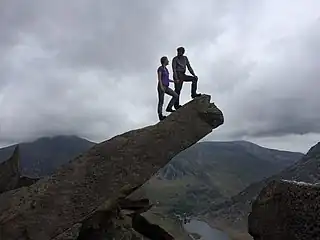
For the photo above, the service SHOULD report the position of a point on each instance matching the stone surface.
(10, 175)
(232, 215)
(9, 172)
(286, 210)
(70, 234)
(54, 204)
(25, 181)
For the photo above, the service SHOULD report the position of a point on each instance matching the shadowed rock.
(9, 172)
(54, 204)
(102, 221)
(286, 210)
(70, 234)
(134, 205)
(10, 176)
(26, 181)
(110, 222)
(149, 230)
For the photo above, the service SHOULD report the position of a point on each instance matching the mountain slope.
(44, 155)
(234, 155)
(233, 213)
(210, 172)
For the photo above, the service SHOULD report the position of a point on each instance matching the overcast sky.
(88, 67)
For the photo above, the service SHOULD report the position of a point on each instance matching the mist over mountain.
(43, 156)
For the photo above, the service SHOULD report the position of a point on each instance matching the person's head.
(164, 61)
(180, 51)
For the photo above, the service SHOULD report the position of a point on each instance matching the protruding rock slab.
(9, 172)
(286, 210)
(52, 205)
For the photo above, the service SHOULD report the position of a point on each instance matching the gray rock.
(54, 204)
(9, 172)
(286, 210)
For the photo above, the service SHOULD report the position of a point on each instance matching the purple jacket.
(164, 75)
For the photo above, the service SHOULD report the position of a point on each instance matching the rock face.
(286, 210)
(10, 176)
(25, 181)
(9, 172)
(55, 204)
(232, 215)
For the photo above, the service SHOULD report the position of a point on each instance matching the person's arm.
(189, 67)
(174, 68)
(159, 79)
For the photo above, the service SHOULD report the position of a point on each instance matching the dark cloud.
(88, 68)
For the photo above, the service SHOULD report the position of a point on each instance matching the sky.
(88, 68)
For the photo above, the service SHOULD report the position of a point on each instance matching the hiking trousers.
(182, 77)
(161, 93)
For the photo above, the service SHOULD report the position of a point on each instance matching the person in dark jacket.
(180, 63)
(163, 87)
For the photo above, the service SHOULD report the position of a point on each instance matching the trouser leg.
(174, 98)
(194, 83)
(177, 89)
(160, 100)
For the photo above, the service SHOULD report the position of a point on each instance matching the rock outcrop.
(110, 221)
(55, 204)
(9, 172)
(10, 175)
(232, 215)
(286, 210)
(25, 181)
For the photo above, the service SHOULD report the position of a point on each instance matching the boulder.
(55, 204)
(286, 210)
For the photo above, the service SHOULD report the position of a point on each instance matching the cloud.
(280, 96)
(88, 68)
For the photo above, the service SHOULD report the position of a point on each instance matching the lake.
(203, 229)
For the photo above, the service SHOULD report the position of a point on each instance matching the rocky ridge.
(59, 206)
(10, 174)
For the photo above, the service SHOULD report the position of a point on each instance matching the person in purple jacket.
(163, 87)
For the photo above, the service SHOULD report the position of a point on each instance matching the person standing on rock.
(180, 63)
(163, 87)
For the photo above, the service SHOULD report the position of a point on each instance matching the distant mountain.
(239, 162)
(210, 172)
(232, 214)
(43, 156)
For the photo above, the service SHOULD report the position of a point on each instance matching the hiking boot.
(177, 107)
(170, 110)
(161, 117)
(195, 95)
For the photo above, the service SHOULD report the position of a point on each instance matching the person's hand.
(196, 77)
